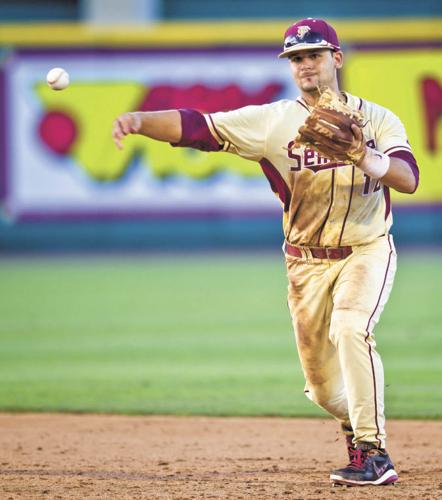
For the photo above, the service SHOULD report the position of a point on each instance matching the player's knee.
(328, 398)
(318, 395)
(346, 327)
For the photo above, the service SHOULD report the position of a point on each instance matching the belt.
(334, 253)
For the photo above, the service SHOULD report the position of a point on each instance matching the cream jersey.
(325, 203)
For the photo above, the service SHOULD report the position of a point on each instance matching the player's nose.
(306, 63)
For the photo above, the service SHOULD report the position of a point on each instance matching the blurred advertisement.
(407, 79)
(59, 158)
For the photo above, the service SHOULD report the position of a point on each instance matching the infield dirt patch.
(120, 457)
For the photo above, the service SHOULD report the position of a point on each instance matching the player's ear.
(338, 58)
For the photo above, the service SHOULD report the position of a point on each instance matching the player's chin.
(311, 86)
(308, 82)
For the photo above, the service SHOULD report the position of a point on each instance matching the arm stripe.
(214, 130)
(408, 157)
(405, 148)
(196, 132)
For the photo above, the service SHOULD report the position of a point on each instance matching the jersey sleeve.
(242, 131)
(391, 135)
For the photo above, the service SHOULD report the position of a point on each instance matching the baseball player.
(340, 257)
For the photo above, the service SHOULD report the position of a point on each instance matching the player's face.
(315, 67)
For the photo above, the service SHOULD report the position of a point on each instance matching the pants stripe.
(367, 329)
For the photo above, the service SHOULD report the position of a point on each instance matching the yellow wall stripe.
(210, 33)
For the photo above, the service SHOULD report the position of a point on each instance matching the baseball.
(57, 78)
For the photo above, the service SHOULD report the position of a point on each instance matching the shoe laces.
(350, 448)
(357, 458)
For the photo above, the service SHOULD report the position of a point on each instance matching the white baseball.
(57, 78)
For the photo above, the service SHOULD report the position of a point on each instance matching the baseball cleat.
(368, 466)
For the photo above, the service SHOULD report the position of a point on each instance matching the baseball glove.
(328, 130)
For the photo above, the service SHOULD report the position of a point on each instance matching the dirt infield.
(118, 457)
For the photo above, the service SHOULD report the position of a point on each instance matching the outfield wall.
(65, 186)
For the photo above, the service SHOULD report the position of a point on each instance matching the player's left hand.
(333, 129)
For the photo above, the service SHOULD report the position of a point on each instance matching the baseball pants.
(335, 305)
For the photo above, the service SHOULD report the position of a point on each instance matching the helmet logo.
(302, 31)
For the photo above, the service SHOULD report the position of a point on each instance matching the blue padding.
(420, 226)
(28, 10)
(142, 235)
(288, 9)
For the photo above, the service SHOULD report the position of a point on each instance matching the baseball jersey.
(325, 203)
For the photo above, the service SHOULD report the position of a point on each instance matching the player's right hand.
(125, 124)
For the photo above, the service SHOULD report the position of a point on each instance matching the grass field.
(202, 334)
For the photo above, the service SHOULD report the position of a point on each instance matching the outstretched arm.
(159, 125)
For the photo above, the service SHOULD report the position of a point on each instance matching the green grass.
(191, 335)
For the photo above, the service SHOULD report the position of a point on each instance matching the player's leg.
(310, 304)
(360, 294)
